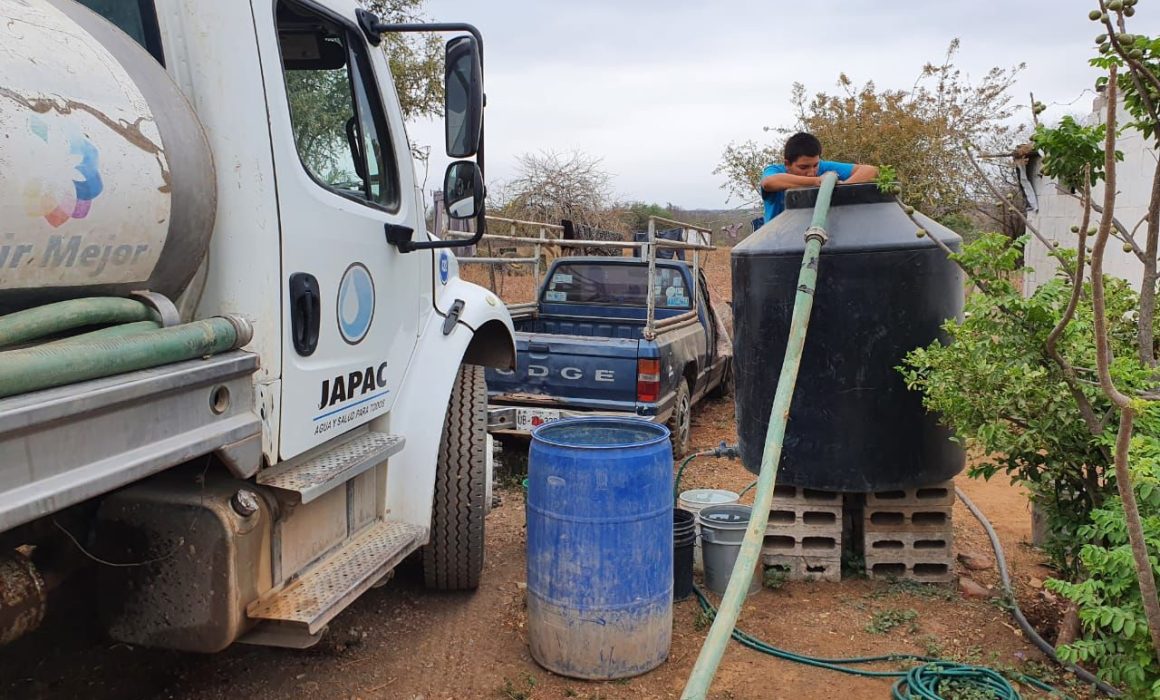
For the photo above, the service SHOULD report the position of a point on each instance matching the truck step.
(312, 600)
(316, 473)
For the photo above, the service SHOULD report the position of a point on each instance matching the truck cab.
(324, 448)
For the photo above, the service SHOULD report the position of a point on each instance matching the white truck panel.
(83, 150)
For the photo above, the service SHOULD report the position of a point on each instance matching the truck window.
(617, 285)
(339, 127)
(137, 18)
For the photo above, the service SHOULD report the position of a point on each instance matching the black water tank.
(882, 291)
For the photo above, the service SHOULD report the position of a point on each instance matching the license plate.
(530, 418)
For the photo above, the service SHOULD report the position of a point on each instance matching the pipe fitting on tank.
(817, 232)
(242, 327)
(727, 451)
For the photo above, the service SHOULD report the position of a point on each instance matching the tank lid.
(861, 220)
(845, 195)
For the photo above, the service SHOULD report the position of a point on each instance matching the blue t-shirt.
(775, 201)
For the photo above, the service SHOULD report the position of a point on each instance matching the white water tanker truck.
(239, 380)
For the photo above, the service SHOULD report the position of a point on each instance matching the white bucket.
(693, 501)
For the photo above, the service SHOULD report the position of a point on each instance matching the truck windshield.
(616, 285)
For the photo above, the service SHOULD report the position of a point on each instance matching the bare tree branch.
(1144, 574)
(1147, 341)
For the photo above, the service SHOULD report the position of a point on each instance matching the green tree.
(920, 131)
(416, 59)
(636, 214)
(1103, 353)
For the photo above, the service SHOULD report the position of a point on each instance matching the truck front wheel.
(453, 559)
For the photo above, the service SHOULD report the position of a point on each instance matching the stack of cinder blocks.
(804, 534)
(908, 534)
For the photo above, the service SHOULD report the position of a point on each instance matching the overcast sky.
(658, 89)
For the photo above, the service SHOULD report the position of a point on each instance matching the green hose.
(118, 331)
(746, 489)
(924, 681)
(50, 319)
(681, 472)
(32, 369)
(701, 678)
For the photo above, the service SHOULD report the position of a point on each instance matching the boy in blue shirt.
(803, 168)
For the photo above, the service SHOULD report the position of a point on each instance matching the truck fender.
(481, 332)
(493, 342)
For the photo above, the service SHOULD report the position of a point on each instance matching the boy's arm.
(862, 173)
(784, 181)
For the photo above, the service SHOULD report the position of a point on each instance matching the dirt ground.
(401, 641)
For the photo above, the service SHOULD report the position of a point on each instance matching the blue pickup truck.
(589, 346)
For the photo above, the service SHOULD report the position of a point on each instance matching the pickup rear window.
(616, 285)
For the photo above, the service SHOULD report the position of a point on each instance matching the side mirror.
(463, 92)
(463, 190)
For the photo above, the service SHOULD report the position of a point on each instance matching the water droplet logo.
(356, 303)
(69, 193)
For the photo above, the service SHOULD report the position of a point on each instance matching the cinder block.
(805, 568)
(907, 519)
(940, 494)
(912, 543)
(929, 545)
(810, 545)
(800, 518)
(928, 572)
(784, 493)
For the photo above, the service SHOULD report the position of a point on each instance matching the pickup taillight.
(648, 381)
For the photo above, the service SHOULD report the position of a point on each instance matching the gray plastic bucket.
(722, 530)
(693, 501)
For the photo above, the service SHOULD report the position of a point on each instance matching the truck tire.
(680, 423)
(453, 559)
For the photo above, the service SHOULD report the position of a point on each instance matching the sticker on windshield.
(555, 296)
(561, 278)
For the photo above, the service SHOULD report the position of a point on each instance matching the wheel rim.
(683, 421)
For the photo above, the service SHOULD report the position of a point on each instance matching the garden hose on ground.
(923, 681)
(1028, 630)
(929, 676)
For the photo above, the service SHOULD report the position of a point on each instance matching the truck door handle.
(538, 347)
(452, 316)
(305, 312)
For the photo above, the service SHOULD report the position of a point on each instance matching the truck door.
(709, 368)
(343, 172)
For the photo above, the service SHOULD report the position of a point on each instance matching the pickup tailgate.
(572, 371)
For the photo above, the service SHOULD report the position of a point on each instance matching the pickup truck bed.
(583, 350)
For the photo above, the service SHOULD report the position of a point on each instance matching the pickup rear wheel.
(681, 421)
(453, 559)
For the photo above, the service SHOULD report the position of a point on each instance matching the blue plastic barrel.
(600, 547)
